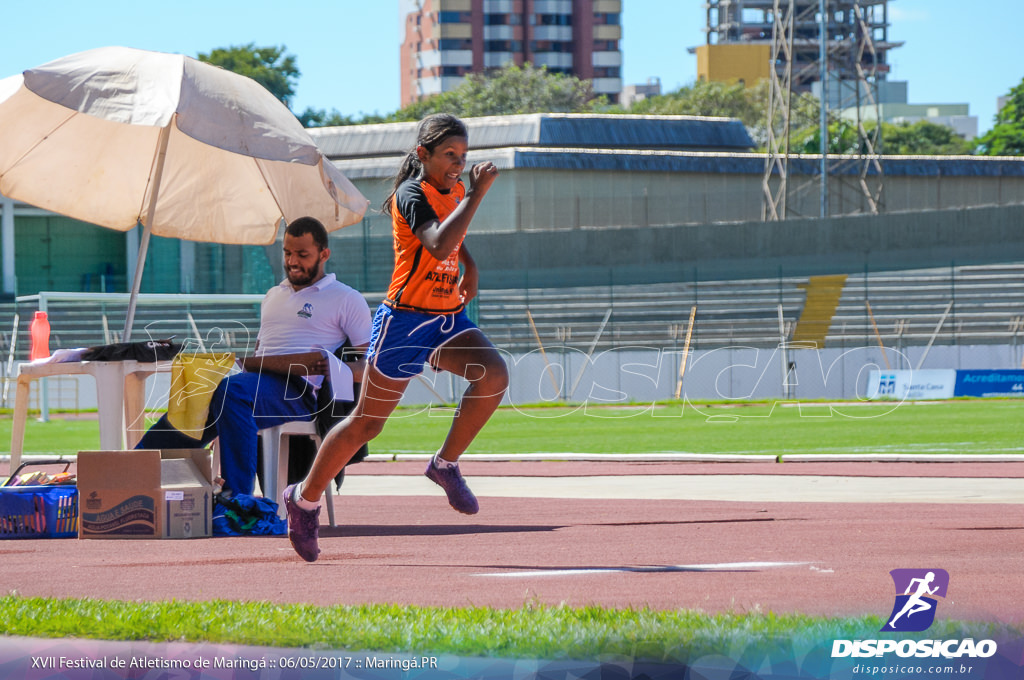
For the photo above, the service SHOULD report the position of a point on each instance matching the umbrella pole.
(147, 230)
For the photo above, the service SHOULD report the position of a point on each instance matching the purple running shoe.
(303, 526)
(459, 495)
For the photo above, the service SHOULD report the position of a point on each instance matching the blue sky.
(347, 50)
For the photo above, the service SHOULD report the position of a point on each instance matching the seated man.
(309, 310)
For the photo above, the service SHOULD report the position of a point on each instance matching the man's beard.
(302, 277)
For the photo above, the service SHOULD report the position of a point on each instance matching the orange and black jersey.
(421, 282)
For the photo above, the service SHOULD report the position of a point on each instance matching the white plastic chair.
(275, 461)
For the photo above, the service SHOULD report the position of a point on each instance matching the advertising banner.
(901, 385)
(944, 384)
(990, 383)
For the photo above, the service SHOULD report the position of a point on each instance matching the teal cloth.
(244, 515)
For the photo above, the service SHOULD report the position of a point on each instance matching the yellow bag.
(194, 377)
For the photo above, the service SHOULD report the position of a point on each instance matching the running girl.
(422, 321)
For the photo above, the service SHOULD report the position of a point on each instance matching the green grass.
(944, 427)
(958, 426)
(544, 632)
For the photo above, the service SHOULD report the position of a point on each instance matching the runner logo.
(913, 612)
(914, 609)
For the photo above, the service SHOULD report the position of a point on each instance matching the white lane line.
(739, 488)
(724, 566)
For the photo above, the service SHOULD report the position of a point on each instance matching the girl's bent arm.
(442, 238)
(469, 284)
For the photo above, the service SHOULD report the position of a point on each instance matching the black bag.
(149, 350)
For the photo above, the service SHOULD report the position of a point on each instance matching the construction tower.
(842, 73)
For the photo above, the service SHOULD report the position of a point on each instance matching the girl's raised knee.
(367, 428)
(495, 377)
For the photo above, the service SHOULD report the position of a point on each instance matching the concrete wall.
(567, 218)
(641, 190)
(632, 375)
(709, 252)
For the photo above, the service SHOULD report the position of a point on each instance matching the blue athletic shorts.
(403, 341)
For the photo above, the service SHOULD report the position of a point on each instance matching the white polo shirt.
(321, 316)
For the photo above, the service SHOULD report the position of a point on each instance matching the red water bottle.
(40, 332)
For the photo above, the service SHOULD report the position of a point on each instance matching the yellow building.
(733, 63)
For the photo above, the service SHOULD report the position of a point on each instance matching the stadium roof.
(556, 141)
(627, 160)
(596, 131)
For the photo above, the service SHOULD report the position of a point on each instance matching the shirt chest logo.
(306, 311)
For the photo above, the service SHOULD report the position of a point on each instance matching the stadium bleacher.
(988, 308)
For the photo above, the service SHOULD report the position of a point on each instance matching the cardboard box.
(145, 494)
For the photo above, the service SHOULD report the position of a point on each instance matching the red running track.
(781, 556)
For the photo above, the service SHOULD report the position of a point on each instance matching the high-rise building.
(447, 39)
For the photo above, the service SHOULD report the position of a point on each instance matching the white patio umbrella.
(120, 137)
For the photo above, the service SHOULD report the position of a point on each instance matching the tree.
(716, 99)
(842, 139)
(268, 66)
(732, 100)
(923, 139)
(750, 105)
(901, 139)
(312, 118)
(1006, 138)
(509, 90)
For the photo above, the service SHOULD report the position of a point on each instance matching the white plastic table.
(120, 399)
